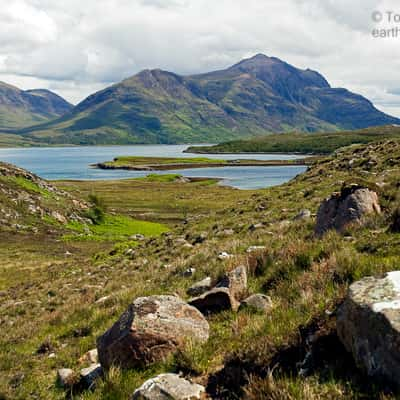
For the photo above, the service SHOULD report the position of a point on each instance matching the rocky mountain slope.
(21, 108)
(29, 203)
(258, 95)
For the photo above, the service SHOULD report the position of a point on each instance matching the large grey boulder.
(149, 330)
(347, 207)
(368, 324)
(168, 387)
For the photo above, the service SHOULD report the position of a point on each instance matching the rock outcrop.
(168, 387)
(149, 330)
(345, 208)
(368, 324)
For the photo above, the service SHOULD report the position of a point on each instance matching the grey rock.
(199, 287)
(225, 232)
(214, 301)
(168, 387)
(259, 302)
(256, 249)
(66, 377)
(149, 330)
(235, 281)
(90, 375)
(303, 214)
(224, 255)
(92, 356)
(347, 207)
(368, 324)
(189, 272)
(254, 227)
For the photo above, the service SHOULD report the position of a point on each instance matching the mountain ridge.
(23, 108)
(253, 97)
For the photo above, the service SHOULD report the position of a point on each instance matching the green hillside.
(255, 97)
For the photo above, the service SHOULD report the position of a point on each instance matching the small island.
(169, 163)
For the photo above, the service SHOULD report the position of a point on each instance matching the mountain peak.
(257, 95)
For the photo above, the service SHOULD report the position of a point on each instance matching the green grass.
(161, 178)
(115, 228)
(304, 143)
(305, 277)
(30, 186)
(164, 160)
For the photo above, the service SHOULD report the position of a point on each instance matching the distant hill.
(22, 108)
(257, 96)
(318, 143)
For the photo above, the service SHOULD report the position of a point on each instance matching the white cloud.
(76, 47)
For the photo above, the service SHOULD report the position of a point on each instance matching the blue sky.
(77, 47)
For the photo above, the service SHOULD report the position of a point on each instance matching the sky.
(76, 47)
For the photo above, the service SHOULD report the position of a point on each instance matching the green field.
(303, 143)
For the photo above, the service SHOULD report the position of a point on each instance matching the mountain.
(258, 95)
(21, 108)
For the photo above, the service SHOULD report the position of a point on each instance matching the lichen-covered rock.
(168, 387)
(235, 281)
(214, 301)
(149, 330)
(347, 207)
(259, 302)
(200, 287)
(368, 324)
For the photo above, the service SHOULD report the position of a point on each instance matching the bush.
(97, 211)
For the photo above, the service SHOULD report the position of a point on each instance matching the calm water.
(74, 163)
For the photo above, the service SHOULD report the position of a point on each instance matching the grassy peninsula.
(166, 163)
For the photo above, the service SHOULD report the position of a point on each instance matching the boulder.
(347, 207)
(149, 330)
(215, 300)
(168, 387)
(257, 302)
(199, 287)
(368, 324)
(89, 375)
(235, 281)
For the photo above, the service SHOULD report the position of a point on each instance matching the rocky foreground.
(293, 293)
